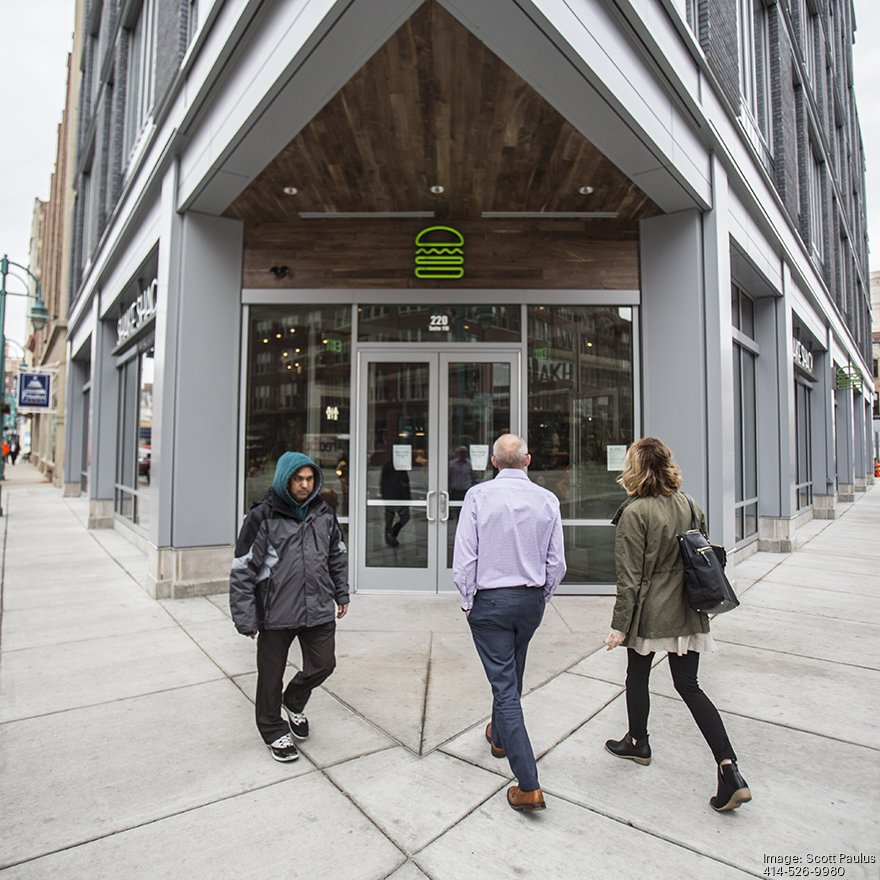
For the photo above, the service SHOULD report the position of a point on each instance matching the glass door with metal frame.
(428, 419)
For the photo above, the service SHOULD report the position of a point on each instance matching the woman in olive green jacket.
(652, 614)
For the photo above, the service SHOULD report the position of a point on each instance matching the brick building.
(386, 232)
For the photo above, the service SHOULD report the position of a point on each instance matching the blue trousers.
(502, 623)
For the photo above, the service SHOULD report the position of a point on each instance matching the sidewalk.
(128, 749)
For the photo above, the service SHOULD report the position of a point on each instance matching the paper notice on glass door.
(616, 456)
(479, 453)
(401, 456)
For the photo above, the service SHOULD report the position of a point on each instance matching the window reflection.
(299, 395)
(451, 323)
(580, 419)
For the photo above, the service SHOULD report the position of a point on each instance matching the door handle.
(428, 506)
(444, 507)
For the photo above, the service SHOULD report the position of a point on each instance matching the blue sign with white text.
(34, 390)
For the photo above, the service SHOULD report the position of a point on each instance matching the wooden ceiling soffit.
(434, 107)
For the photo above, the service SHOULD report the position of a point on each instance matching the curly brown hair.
(650, 469)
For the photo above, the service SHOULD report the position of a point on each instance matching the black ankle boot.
(624, 748)
(733, 790)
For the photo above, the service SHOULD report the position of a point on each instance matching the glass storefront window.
(581, 414)
(134, 437)
(802, 410)
(299, 395)
(745, 443)
(478, 323)
(145, 435)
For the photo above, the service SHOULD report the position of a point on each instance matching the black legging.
(684, 677)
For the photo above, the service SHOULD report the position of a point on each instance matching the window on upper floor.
(809, 44)
(816, 169)
(141, 75)
(192, 22)
(753, 34)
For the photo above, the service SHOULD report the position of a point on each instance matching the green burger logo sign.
(439, 253)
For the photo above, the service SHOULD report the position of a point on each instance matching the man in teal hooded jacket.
(289, 581)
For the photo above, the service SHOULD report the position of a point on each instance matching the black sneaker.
(283, 749)
(298, 723)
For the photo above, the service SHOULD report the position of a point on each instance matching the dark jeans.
(318, 645)
(684, 677)
(392, 529)
(502, 623)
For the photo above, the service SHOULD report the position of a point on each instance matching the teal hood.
(287, 466)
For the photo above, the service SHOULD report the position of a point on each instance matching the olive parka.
(651, 601)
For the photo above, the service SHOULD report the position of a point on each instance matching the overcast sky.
(38, 35)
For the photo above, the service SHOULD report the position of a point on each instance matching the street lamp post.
(38, 315)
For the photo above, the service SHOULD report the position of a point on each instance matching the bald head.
(510, 451)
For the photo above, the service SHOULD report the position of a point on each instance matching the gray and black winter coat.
(288, 573)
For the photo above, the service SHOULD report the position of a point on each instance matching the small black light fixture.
(280, 271)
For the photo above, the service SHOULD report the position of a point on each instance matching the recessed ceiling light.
(437, 189)
(586, 190)
(290, 190)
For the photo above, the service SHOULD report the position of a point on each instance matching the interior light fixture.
(278, 335)
(586, 190)
(549, 215)
(437, 189)
(290, 190)
(280, 271)
(265, 341)
(589, 345)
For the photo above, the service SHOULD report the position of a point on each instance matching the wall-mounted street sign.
(34, 392)
(439, 253)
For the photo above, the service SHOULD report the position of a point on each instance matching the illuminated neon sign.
(439, 253)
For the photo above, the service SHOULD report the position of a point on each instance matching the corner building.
(650, 220)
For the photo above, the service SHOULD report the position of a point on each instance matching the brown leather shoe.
(496, 751)
(525, 800)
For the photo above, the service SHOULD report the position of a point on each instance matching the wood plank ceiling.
(434, 107)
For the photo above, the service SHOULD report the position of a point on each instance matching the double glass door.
(425, 432)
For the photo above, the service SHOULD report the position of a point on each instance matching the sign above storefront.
(439, 253)
(34, 392)
(139, 313)
(802, 356)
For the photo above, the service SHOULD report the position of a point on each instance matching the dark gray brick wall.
(717, 35)
(168, 52)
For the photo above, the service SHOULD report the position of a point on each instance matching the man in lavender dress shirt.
(508, 561)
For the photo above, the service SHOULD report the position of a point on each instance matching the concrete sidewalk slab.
(147, 775)
(125, 763)
(41, 681)
(552, 713)
(566, 840)
(414, 800)
(801, 634)
(37, 627)
(792, 811)
(784, 689)
(861, 583)
(338, 733)
(836, 604)
(269, 832)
